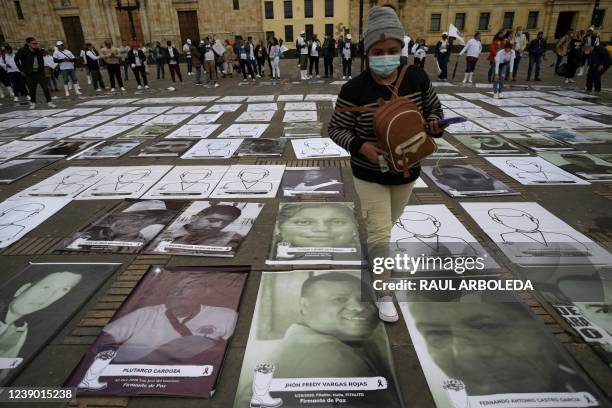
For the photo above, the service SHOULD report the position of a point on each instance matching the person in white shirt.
(92, 61)
(504, 60)
(66, 60)
(302, 47)
(82, 55)
(314, 46)
(347, 57)
(472, 51)
(209, 63)
(7, 62)
(520, 44)
(50, 66)
(187, 52)
(405, 50)
(419, 50)
(274, 55)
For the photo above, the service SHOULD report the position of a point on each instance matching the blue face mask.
(384, 65)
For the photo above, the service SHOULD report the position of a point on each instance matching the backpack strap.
(398, 82)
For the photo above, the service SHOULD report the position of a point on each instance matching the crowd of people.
(577, 53)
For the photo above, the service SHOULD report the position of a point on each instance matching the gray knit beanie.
(383, 24)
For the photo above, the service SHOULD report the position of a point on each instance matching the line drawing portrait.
(250, 181)
(244, 131)
(300, 116)
(214, 148)
(11, 219)
(425, 228)
(320, 148)
(69, 185)
(190, 182)
(125, 183)
(532, 172)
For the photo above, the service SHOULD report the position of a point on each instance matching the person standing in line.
(137, 59)
(419, 50)
(197, 62)
(574, 56)
(123, 51)
(589, 39)
(268, 46)
(274, 55)
(30, 61)
(50, 71)
(348, 52)
(260, 57)
(245, 65)
(520, 44)
(599, 64)
(250, 47)
(302, 49)
(112, 59)
(472, 51)
(498, 43)
(442, 55)
(172, 56)
(561, 49)
(209, 60)
(329, 48)
(315, 48)
(188, 57)
(92, 60)
(405, 49)
(383, 195)
(66, 60)
(5, 82)
(537, 49)
(230, 59)
(504, 60)
(9, 65)
(82, 55)
(160, 60)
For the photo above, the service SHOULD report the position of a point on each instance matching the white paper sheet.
(193, 132)
(213, 149)
(249, 181)
(257, 116)
(244, 130)
(19, 147)
(204, 118)
(300, 116)
(226, 107)
(317, 148)
(534, 171)
(103, 132)
(187, 182)
(300, 106)
(57, 133)
(126, 182)
(259, 107)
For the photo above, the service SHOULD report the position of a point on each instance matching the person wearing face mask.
(188, 58)
(442, 56)
(347, 52)
(383, 195)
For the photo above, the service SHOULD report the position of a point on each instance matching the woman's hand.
(433, 128)
(371, 151)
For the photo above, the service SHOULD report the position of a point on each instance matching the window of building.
(308, 9)
(483, 21)
(329, 29)
(19, 10)
(309, 28)
(532, 20)
(269, 10)
(598, 17)
(508, 20)
(435, 22)
(289, 33)
(460, 21)
(329, 8)
(236, 4)
(288, 9)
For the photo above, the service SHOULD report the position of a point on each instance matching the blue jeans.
(69, 74)
(498, 86)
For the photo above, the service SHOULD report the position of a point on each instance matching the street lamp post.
(129, 6)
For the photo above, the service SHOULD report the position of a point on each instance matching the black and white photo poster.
(314, 342)
(312, 182)
(37, 302)
(127, 228)
(13, 170)
(514, 363)
(208, 229)
(315, 233)
(168, 338)
(466, 180)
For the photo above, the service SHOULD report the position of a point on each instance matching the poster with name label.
(314, 342)
(315, 233)
(208, 229)
(40, 300)
(187, 182)
(312, 182)
(534, 171)
(466, 366)
(168, 338)
(124, 182)
(465, 180)
(15, 169)
(127, 228)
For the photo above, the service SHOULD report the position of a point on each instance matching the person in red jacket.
(498, 43)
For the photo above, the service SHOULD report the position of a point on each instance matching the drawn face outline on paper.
(419, 224)
(133, 175)
(78, 177)
(517, 220)
(194, 176)
(11, 219)
(253, 175)
(214, 147)
(525, 166)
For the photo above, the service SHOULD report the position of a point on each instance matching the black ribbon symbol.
(380, 383)
(205, 371)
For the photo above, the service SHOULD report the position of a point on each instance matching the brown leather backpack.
(399, 128)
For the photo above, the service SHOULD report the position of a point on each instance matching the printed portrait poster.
(529, 235)
(208, 229)
(534, 171)
(515, 363)
(461, 180)
(315, 233)
(314, 342)
(261, 148)
(21, 215)
(583, 165)
(168, 338)
(36, 304)
(14, 170)
(312, 182)
(302, 130)
(61, 149)
(446, 151)
(489, 145)
(165, 148)
(537, 142)
(107, 150)
(127, 228)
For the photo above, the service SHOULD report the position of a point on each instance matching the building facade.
(80, 21)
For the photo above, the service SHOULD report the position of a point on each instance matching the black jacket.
(537, 47)
(131, 56)
(600, 56)
(92, 64)
(167, 54)
(25, 59)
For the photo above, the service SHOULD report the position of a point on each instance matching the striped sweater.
(352, 129)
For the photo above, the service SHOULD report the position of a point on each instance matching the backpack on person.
(399, 128)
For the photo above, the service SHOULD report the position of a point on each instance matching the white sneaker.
(567, 80)
(499, 96)
(350, 77)
(16, 99)
(54, 97)
(32, 106)
(386, 309)
(343, 77)
(171, 88)
(98, 90)
(139, 87)
(67, 93)
(146, 86)
(122, 89)
(216, 85)
(51, 105)
(257, 76)
(28, 97)
(112, 90)
(495, 95)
